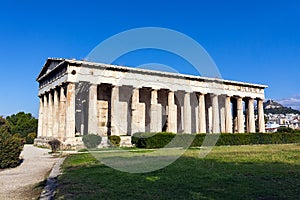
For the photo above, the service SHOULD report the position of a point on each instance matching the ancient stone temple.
(80, 97)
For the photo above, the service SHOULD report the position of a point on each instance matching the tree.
(23, 123)
(4, 127)
(10, 150)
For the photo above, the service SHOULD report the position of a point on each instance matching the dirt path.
(19, 183)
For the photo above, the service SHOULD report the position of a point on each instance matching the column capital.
(259, 99)
(171, 91)
(201, 93)
(214, 95)
(116, 86)
(155, 87)
(238, 96)
(249, 97)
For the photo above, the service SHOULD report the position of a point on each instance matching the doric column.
(114, 110)
(45, 116)
(92, 116)
(187, 126)
(240, 115)
(172, 113)
(41, 118)
(251, 117)
(228, 114)
(155, 113)
(234, 115)
(201, 114)
(55, 115)
(222, 113)
(62, 114)
(50, 114)
(215, 114)
(138, 114)
(261, 116)
(70, 111)
(209, 113)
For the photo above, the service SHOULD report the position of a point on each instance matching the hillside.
(273, 107)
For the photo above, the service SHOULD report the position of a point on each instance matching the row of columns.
(225, 116)
(57, 113)
(220, 119)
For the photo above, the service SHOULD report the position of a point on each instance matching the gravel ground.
(20, 182)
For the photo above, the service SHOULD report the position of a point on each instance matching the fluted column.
(172, 113)
(55, 115)
(187, 114)
(40, 122)
(155, 113)
(62, 114)
(210, 119)
(114, 110)
(215, 114)
(50, 114)
(70, 111)
(251, 117)
(45, 116)
(234, 115)
(228, 114)
(92, 117)
(261, 116)
(201, 114)
(138, 113)
(240, 115)
(222, 113)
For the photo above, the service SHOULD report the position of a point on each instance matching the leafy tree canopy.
(22, 123)
(4, 127)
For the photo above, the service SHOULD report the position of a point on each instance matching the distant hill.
(273, 107)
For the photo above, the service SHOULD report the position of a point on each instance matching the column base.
(76, 143)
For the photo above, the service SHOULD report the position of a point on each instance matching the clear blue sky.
(252, 41)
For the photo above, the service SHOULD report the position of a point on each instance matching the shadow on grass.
(187, 178)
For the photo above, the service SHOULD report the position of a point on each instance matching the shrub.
(285, 130)
(151, 140)
(17, 135)
(91, 140)
(10, 150)
(54, 144)
(4, 127)
(160, 140)
(30, 138)
(115, 140)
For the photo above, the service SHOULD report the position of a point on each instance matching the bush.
(160, 140)
(54, 144)
(4, 127)
(30, 138)
(10, 150)
(115, 140)
(91, 140)
(285, 130)
(17, 135)
(151, 140)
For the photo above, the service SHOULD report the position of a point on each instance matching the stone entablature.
(80, 97)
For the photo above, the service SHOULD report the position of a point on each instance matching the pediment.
(49, 65)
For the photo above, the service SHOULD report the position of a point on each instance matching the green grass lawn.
(228, 172)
